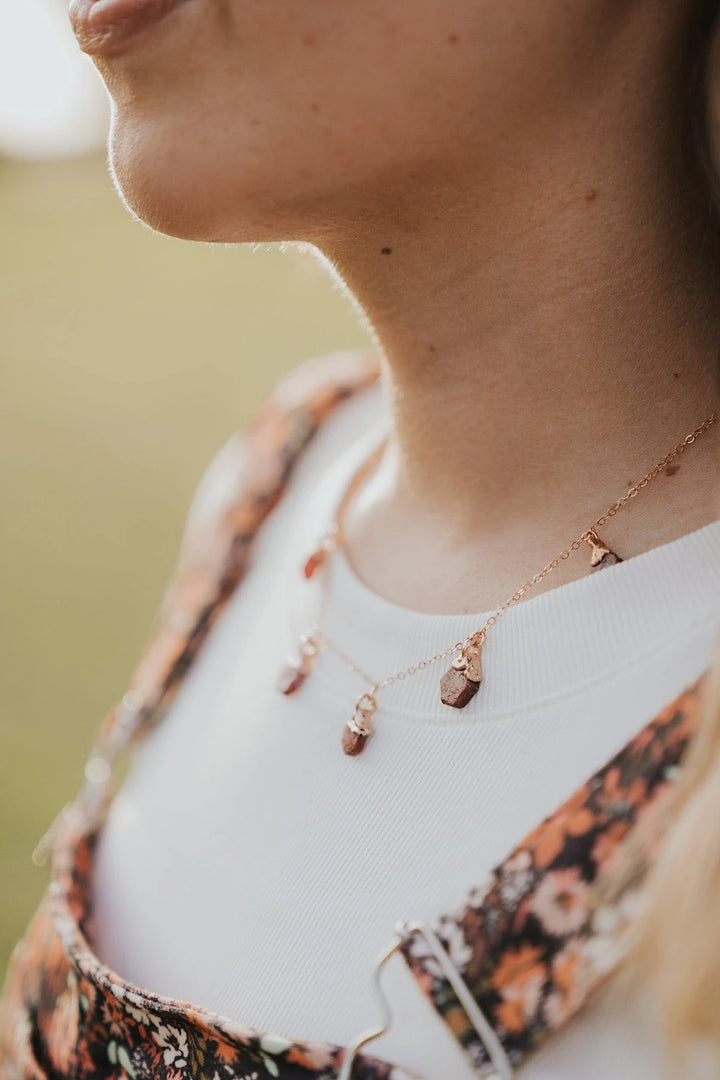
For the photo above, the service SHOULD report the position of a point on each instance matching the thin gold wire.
(477, 638)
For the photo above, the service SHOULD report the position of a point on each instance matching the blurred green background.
(126, 360)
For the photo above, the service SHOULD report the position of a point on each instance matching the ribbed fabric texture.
(250, 867)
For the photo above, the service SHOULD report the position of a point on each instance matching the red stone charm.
(456, 690)
(321, 553)
(290, 679)
(353, 742)
(359, 728)
(297, 669)
(314, 563)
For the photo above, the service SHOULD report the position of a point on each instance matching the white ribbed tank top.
(250, 867)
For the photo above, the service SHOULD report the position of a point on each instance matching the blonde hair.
(676, 942)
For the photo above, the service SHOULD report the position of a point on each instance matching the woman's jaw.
(239, 120)
(500, 191)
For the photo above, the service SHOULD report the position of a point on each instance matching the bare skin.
(505, 191)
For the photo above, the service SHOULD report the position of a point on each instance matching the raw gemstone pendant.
(456, 689)
(321, 554)
(290, 679)
(314, 562)
(461, 683)
(601, 554)
(297, 669)
(359, 728)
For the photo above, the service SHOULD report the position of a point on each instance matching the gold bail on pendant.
(317, 558)
(601, 554)
(298, 667)
(359, 727)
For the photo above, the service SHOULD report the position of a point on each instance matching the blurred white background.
(52, 102)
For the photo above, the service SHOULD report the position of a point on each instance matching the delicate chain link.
(420, 665)
(478, 636)
(598, 523)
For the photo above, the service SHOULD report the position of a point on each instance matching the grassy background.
(126, 359)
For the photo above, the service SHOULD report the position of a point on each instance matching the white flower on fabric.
(173, 1042)
(456, 946)
(473, 897)
(516, 879)
(561, 902)
(275, 1044)
(140, 1014)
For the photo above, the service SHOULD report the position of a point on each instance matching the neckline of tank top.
(550, 645)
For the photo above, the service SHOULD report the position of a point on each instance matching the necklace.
(462, 680)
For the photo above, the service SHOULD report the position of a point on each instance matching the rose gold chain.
(599, 522)
(478, 637)
(322, 638)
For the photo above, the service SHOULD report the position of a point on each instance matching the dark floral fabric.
(546, 929)
(531, 944)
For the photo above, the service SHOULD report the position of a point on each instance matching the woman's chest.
(249, 866)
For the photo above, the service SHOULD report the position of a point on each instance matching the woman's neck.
(551, 328)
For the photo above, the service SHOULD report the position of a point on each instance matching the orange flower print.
(113, 1015)
(565, 997)
(608, 842)
(572, 819)
(561, 902)
(616, 797)
(681, 731)
(225, 1052)
(519, 978)
(643, 739)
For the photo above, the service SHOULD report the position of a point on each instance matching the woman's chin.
(161, 205)
(173, 188)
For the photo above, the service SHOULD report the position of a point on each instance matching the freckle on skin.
(314, 107)
(676, 374)
(671, 470)
(309, 39)
(386, 251)
(453, 39)
(591, 195)
(431, 348)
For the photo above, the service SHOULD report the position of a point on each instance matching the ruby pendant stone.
(456, 690)
(353, 742)
(290, 679)
(359, 727)
(314, 563)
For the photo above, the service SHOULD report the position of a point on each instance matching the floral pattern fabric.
(530, 945)
(546, 929)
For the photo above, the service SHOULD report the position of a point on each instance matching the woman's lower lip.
(103, 27)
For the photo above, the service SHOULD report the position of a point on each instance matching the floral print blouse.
(516, 960)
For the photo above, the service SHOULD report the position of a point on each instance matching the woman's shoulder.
(236, 494)
(317, 394)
